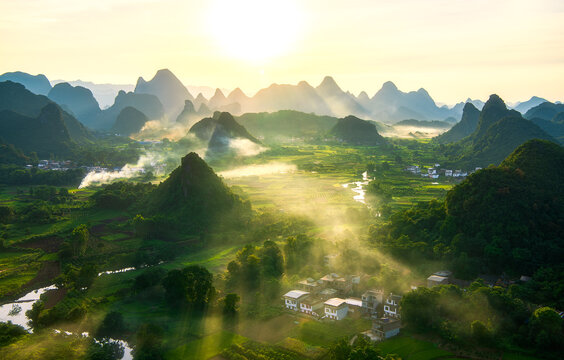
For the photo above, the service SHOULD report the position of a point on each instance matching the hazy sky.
(453, 48)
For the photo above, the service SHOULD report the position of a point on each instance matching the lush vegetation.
(505, 218)
(482, 316)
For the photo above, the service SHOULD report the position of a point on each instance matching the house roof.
(311, 301)
(296, 294)
(445, 273)
(372, 292)
(437, 278)
(354, 302)
(336, 302)
(308, 283)
(328, 291)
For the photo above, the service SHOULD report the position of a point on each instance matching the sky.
(453, 48)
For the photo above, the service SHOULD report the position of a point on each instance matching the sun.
(254, 30)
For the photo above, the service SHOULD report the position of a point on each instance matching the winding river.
(15, 312)
(359, 188)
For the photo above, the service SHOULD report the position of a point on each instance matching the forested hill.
(194, 197)
(508, 218)
(498, 133)
(356, 131)
(16, 98)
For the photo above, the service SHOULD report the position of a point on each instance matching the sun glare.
(255, 30)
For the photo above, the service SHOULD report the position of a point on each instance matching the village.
(330, 298)
(436, 171)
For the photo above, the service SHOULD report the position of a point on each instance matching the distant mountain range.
(168, 89)
(467, 125)
(76, 100)
(37, 84)
(15, 98)
(497, 133)
(549, 117)
(389, 104)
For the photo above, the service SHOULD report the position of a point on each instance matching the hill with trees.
(77, 100)
(168, 89)
(193, 198)
(148, 104)
(546, 111)
(508, 218)
(37, 84)
(498, 133)
(129, 121)
(356, 131)
(45, 134)
(286, 124)
(14, 97)
(467, 125)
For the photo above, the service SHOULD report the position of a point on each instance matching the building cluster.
(53, 165)
(436, 171)
(330, 298)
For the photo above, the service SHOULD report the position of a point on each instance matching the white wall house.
(313, 307)
(336, 309)
(391, 306)
(293, 298)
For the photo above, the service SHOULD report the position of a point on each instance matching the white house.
(385, 328)
(312, 306)
(336, 309)
(391, 306)
(354, 304)
(371, 299)
(293, 298)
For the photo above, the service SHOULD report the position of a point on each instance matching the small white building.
(371, 299)
(435, 280)
(385, 328)
(354, 304)
(312, 306)
(293, 298)
(391, 306)
(336, 309)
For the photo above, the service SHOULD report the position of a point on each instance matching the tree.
(200, 288)
(251, 271)
(230, 306)
(175, 286)
(149, 343)
(112, 326)
(10, 332)
(79, 240)
(272, 260)
(105, 350)
(546, 329)
(34, 313)
(193, 285)
(480, 332)
(6, 214)
(86, 276)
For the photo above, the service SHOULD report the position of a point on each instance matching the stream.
(15, 312)
(359, 188)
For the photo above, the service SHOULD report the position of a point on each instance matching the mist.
(259, 170)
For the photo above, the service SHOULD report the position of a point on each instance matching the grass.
(409, 348)
(325, 333)
(516, 356)
(205, 347)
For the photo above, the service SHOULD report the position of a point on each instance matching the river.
(15, 312)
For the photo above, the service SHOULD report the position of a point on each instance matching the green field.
(409, 348)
